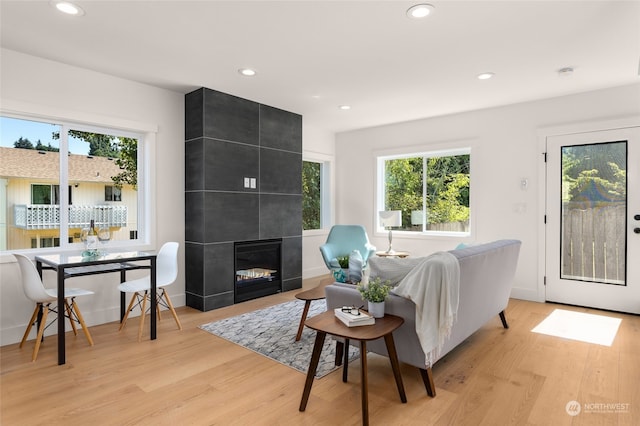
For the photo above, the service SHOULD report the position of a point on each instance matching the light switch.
(253, 183)
(247, 182)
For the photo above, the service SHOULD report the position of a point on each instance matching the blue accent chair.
(342, 240)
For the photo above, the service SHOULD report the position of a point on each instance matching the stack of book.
(353, 320)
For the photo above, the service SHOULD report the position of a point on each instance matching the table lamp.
(389, 219)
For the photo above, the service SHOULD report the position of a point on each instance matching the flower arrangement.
(375, 291)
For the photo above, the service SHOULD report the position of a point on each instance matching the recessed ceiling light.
(68, 8)
(565, 72)
(485, 76)
(247, 72)
(420, 11)
(345, 107)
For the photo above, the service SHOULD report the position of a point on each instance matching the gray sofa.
(486, 278)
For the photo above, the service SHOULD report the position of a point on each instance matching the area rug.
(272, 332)
(590, 328)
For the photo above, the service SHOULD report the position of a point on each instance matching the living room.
(507, 141)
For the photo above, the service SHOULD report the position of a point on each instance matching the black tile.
(194, 265)
(219, 271)
(194, 164)
(280, 172)
(193, 114)
(231, 217)
(291, 257)
(280, 129)
(195, 301)
(228, 163)
(280, 215)
(194, 217)
(230, 118)
(218, 301)
(292, 284)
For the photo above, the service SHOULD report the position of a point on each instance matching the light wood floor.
(190, 377)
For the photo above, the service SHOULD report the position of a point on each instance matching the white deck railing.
(46, 216)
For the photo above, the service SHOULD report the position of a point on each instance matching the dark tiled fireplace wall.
(228, 139)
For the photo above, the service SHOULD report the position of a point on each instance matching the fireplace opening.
(258, 268)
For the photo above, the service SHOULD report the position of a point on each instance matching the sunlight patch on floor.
(589, 328)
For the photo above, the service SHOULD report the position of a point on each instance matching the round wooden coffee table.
(327, 323)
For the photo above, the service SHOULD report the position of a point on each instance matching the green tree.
(594, 174)
(42, 147)
(447, 188)
(128, 162)
(404, 182)
(23, 143)
(310, 195)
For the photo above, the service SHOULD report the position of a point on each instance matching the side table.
(327, 323)
(316, 293)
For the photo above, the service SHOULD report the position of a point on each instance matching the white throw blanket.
(434, 287)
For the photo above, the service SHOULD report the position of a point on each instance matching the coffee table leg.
(364, 383)
(395, 365)
(305, 311)
(313, 365)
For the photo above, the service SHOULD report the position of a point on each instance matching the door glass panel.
(594, 211)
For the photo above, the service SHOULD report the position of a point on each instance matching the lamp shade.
(390, 218)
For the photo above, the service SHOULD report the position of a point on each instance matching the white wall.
(33, 85)
(505, 149)
(319, 145)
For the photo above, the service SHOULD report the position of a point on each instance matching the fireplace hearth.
(258, 266)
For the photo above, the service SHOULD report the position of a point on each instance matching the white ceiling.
(312, 56)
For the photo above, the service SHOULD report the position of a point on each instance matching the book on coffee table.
(352, 320)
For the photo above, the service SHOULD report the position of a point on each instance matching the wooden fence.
(593, 244)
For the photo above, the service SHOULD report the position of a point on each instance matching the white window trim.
(439, 150)
(327, 209)
(78, 120)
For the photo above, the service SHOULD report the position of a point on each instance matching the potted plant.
(375, 293)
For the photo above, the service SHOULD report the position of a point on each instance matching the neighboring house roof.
(30, 163)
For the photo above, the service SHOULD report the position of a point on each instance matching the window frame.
(460, 148)
(146, 135)
(326, 191)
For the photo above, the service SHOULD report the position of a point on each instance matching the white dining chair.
(166, 274)
(46, 301)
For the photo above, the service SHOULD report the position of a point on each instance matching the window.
(112, 193)
(97, 165)
(431, 189)
(46, 194)
(315, 194)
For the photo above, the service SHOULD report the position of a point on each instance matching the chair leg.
(28, 330)
(170, 305)
(126, 314)
(70, 316)
(43, 324)
(74, 306)
(143, 313)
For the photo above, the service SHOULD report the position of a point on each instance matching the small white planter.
(376, 309)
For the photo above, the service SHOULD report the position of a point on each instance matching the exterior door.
(593, 219)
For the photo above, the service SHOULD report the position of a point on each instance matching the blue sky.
(12, 129)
